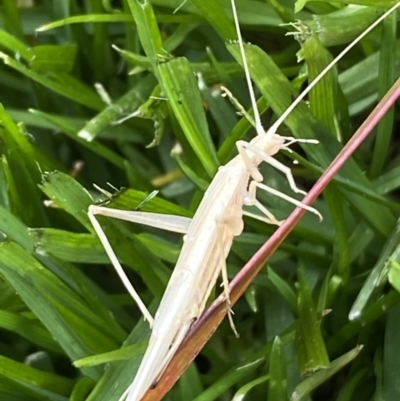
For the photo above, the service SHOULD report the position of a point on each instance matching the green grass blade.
(311, 352)
(184, 98)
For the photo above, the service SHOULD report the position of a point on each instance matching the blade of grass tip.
(226, 381)
(244, 390)
(81, 389)
(375, 278)
(386, 77)
(147, 28)
(127, 352)
(123, 107)
(372, 313)
(213, 316)
(312, 382)
(56, 184)
(277, 389)
(311, 352)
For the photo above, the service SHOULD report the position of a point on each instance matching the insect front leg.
(267, 159)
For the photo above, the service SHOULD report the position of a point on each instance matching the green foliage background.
(330, 287)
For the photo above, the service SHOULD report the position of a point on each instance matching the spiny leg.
(252, 197)
(221, 226)
(117, 266)
(290, 141)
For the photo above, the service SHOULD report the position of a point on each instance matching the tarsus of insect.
(209, 235)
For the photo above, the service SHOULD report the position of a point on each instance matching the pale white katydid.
(209, 235)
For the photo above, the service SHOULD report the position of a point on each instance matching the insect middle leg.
(243, 145)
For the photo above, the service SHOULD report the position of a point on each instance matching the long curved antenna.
(259, 128)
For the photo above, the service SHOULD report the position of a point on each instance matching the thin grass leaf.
(323, 97)
(311, 352)
(56, 184)
(28, 328)
(386, 79)
(53, 58)
(319, 377)
(70, 129)
(67, 246)
(61, 83)
(341, 253)
(227, 380)
(391, 388)
(148, 31)
(184, 99)
(115, 381)
(277, 389)
(213, 12)
(127, 352)
(77, 334)
(21, 170)
(377, 276)
(13, 44)
(31, 376)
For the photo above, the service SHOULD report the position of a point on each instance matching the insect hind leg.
(117, 266)
(227, 224)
